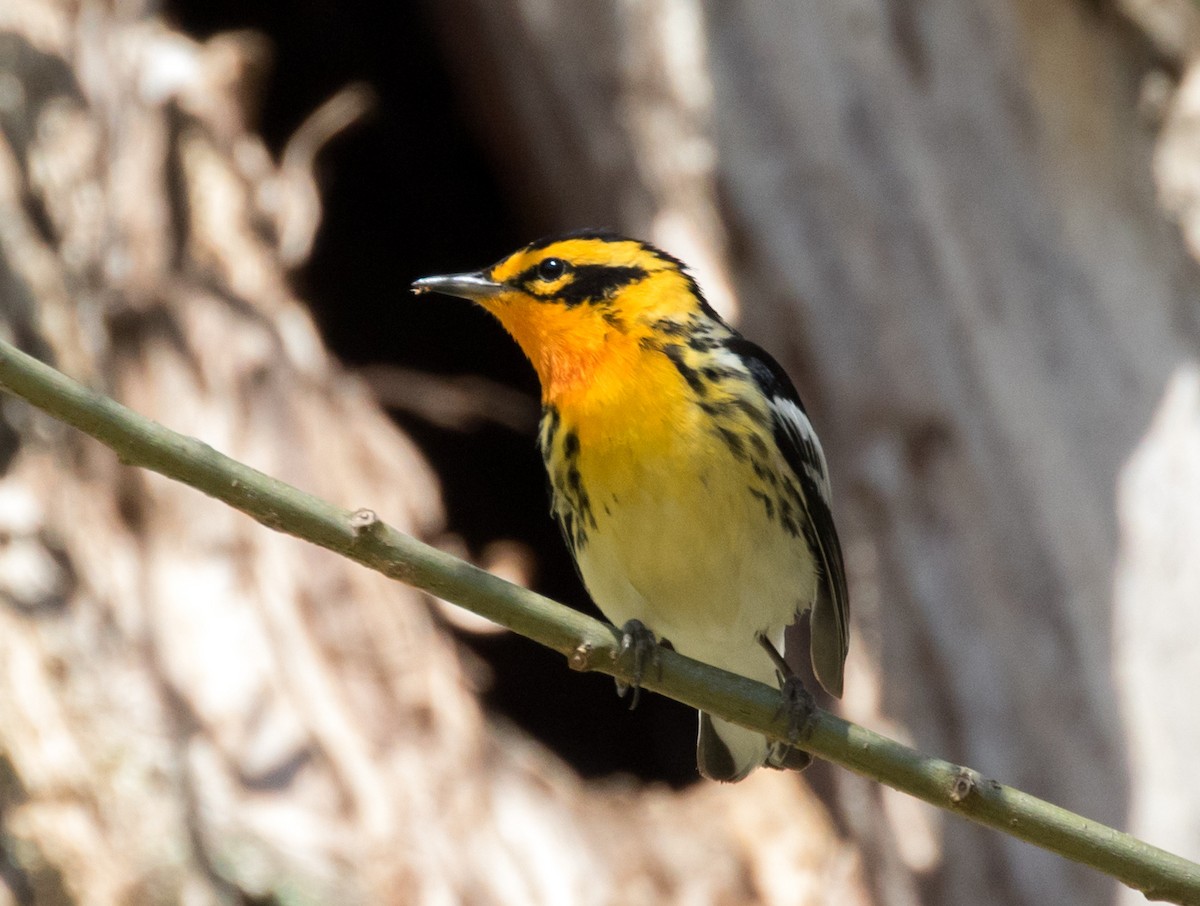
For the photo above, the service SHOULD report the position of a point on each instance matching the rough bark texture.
(1157, 577)
(193, 709)
(943, 216)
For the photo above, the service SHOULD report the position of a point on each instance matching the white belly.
(708, 580)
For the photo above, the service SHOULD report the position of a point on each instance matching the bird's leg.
(639, 640)
(798, 702)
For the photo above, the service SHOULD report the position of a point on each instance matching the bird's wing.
(797, 441)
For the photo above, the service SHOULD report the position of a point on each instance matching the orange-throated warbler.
(686, 476)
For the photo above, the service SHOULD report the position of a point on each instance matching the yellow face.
(579, 303)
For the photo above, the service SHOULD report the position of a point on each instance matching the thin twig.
(590, 644)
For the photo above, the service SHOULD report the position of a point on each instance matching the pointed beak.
(474, 286)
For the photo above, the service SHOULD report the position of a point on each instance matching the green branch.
(590, 644)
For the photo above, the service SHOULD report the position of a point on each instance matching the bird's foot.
(783, 757)
(639, 643)
(797, 703)
(782, 668)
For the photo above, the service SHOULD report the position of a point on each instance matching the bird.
(684, 470)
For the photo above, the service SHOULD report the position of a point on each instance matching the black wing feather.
(802, 452)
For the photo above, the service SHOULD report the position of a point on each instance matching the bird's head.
(577, 302)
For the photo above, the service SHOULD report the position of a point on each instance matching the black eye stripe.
(590, 283)
(551, 269)
(594, 283)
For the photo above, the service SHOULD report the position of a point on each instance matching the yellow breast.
(666, 522)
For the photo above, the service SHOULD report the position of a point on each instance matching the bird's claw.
(797, 703)
(639, 643)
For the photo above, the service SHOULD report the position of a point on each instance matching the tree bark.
(195, 709)
(943, 218)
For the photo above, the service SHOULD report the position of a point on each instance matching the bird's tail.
(727, 752)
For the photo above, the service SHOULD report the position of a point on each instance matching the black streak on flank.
(566, 521)
(550, 421)
(760, 446)
(548, 432)
(787, 517)
(689, 374)
(766, 502)
(764, 474)
(580, 506)
(733, 441)
(571, 446)
(574, 484)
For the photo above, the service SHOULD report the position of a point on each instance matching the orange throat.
(571, 350)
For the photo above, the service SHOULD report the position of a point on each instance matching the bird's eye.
(551, 269)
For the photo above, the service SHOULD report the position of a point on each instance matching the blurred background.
(969, 230)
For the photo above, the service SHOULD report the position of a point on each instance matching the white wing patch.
(800, 431)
